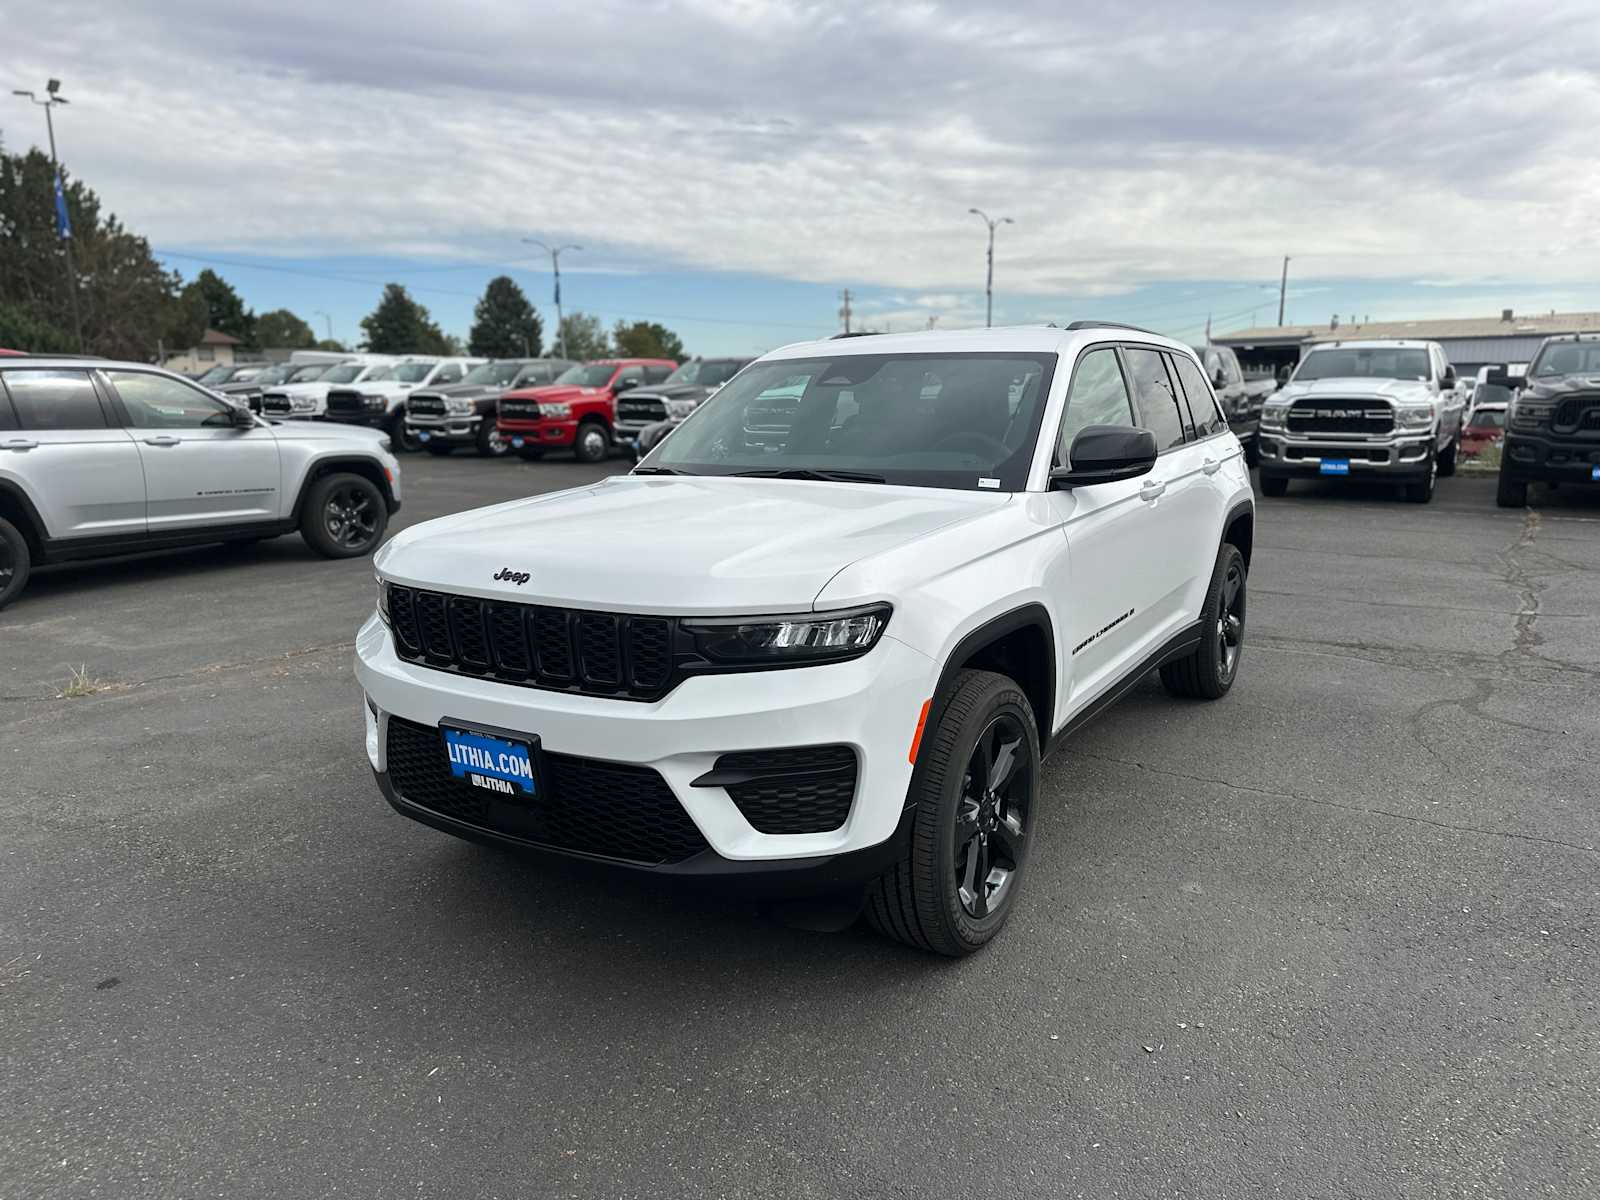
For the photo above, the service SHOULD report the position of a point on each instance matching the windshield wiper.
(810, 473)
(657, 471)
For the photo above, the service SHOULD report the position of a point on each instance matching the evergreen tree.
(280, 329)
(583, 338)
(646, 339)
(504, 324)
(399, 325)
(225, 311)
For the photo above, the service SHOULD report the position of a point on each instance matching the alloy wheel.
(594, 444)
(992, 816)
(1230, 622)
(350, 516)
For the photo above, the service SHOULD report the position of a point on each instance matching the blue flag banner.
(63, 225)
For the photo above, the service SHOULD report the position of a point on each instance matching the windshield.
(590, 375)
(1380, 362)
(1567, 358)
(493, 372)
(1488, 418)
(346, 373)
(272, 375)
(927, 420)
(705, 373)
(1492, 393)
(411, 372)
(373, 374)
(215, 375)
(306, 374)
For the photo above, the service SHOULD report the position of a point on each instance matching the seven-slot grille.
(641, 409)
(426, 405)
(1577, 414)
(560, 649)
(584, 805)
(521, 410)
(346, 402)
(1317, 414)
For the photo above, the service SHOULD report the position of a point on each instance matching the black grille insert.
(1577, 414)
(346, 403)
(586, 806)
(803, 789)
(1316, 414)
(641, 408)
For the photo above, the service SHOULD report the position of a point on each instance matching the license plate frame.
(473, 752)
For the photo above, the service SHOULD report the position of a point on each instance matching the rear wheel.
(593, 442)
(1274, 485)
(1511, 493)
(490, 443)
(1208, 671)
(15, 561)
(344, 516)
(973, 793)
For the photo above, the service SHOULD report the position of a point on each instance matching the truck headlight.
(792, 640)
(1414, 416)
(374, 402)
(677, 410)
(559, 411)
(302, 403)
(1275, 416)
(458, 406)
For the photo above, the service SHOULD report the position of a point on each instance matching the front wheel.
(1208, 671)
(593, 444)
(490, 443)
(1421, 492)
(401, 438)
(1252, 452)
(1448, 457)
(1511, 493)
(15, 561)
(974, 792)
(344, 516)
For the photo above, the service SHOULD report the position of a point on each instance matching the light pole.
(555, 267)
(988, 287)
(319, 313)
(63, 227)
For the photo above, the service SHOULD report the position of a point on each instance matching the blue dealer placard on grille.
(1336, 466)
(492, 763)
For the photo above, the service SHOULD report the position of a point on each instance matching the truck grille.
(275, 403)
(346, 403)
(1314, 414)
(1577, 414)
(618, 655)
(641, 410)
(585, 805)
(520, 410)
(805, 789)
(426, 406)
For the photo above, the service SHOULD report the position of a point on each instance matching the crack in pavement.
(1537, 671)
(1518, 576)
(1360, 809)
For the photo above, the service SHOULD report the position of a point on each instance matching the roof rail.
(854, 333)
(1111, 325)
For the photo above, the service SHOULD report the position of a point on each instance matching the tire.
(1421, 493)
(1208, 671)
(1448, 458)
(1252, 452)
(932, 898)
(439, 449)
(15, 562)
(344, 516)
(1511, 493)
(530, 454)
(593, 443)
(399, 439)
(1274, 485)
(489, 442)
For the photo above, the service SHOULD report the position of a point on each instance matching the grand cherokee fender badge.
(517, 577)
(1102, 631)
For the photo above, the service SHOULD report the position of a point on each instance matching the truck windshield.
(706, 374)
(1567, 358)
(927, 420)
(215, 375)
(1372, 362)
(346, 373)
(589, 375)
(412, 372)
(306, 374)
(493, 372)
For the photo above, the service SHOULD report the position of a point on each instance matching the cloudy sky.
(730, 165)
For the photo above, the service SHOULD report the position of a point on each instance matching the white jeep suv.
(837, 620)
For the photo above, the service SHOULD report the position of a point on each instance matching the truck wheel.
(593, 442)
(1208, 671)
(1448, 458)
(400, 438)
(1274, 485)
(439, 448)
(1421, 493)
(14, 562)
(490, 443)
(1511, 493)
(1252, 452)
(973, 793)
(344, 516)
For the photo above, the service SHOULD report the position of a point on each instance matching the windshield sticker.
(988, 483)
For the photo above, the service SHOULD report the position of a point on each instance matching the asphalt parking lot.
(1334, 936)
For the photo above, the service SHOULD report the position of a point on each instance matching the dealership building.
(1469, 342)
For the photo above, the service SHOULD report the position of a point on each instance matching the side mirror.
(624, 385)
(1448, 379)
(243, 418)
(1105, 454)
(1219, 379)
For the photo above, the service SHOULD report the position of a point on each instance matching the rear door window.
(656, 374)
(1208, 418)
(54, 400)
(1154, 393)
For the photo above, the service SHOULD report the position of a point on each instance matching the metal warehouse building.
(1469, 342)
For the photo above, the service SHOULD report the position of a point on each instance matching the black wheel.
(593, 443)
(1274, 485)
(974, 791)
(1252, 452)
(344, 516)
(439, 448)
(1422, 491)
(1448, 457)
(490, 443)
(1208, 671)
(1511, 493)
(14, 562)
(530, 454)
(400, 438)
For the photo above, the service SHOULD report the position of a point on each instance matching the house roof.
(215, 337)
(1543, 325)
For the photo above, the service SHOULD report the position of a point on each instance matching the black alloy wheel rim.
(351, 517)
(992, 817)
(1230, 621)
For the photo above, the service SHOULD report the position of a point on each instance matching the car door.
(1221, 474)
(200, 469)
(1105, 607)
(81, 470)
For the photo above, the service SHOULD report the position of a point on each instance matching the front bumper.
(549, 432)
(458, 430)
(870, 704)
(1400, 458)
(1539, 459)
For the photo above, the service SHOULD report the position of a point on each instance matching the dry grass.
(1486, 462)
(81, 685)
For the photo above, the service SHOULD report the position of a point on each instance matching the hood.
(674, 546)
(1554, 387)
(328, 431)
(1400, 391)
(465, 391)
(552, 393)
(314, 389)
(678, 391)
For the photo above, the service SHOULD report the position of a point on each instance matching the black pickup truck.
(1241, 401)
(1553, 427)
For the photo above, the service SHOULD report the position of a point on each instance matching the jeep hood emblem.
(517, 577)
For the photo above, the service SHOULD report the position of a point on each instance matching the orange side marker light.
(922, 719)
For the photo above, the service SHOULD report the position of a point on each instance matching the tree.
(583, 338)
(225, 311)
(646, 339)
(504, 324)
(131, 307)
(337, 347)
(280, 329)
(399, 325)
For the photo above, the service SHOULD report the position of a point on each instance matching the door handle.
(19, 444)
(1211, 466)
(165, 439)
(1152, 488)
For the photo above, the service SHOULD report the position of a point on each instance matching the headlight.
(374, 402)
(679, 409)
(559, 411)
(1274, 416)
(1414, 416)
(790, 641)
(456, 405)
(302, 403)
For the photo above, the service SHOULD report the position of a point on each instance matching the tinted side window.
(55, 400)
(156, 402)
(632, 375)
(656, 374)
(1208, 418)
(1097, 396)
(1158, 402)
(449, 373)
(7, 420)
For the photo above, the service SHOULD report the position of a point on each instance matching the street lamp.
(555, 266)
(53, 98)
(319, 313)
(988, 287)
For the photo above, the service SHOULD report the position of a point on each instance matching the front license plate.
(1336, 466)
(492, 763)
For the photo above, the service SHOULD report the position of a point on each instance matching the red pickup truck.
(575, 412)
